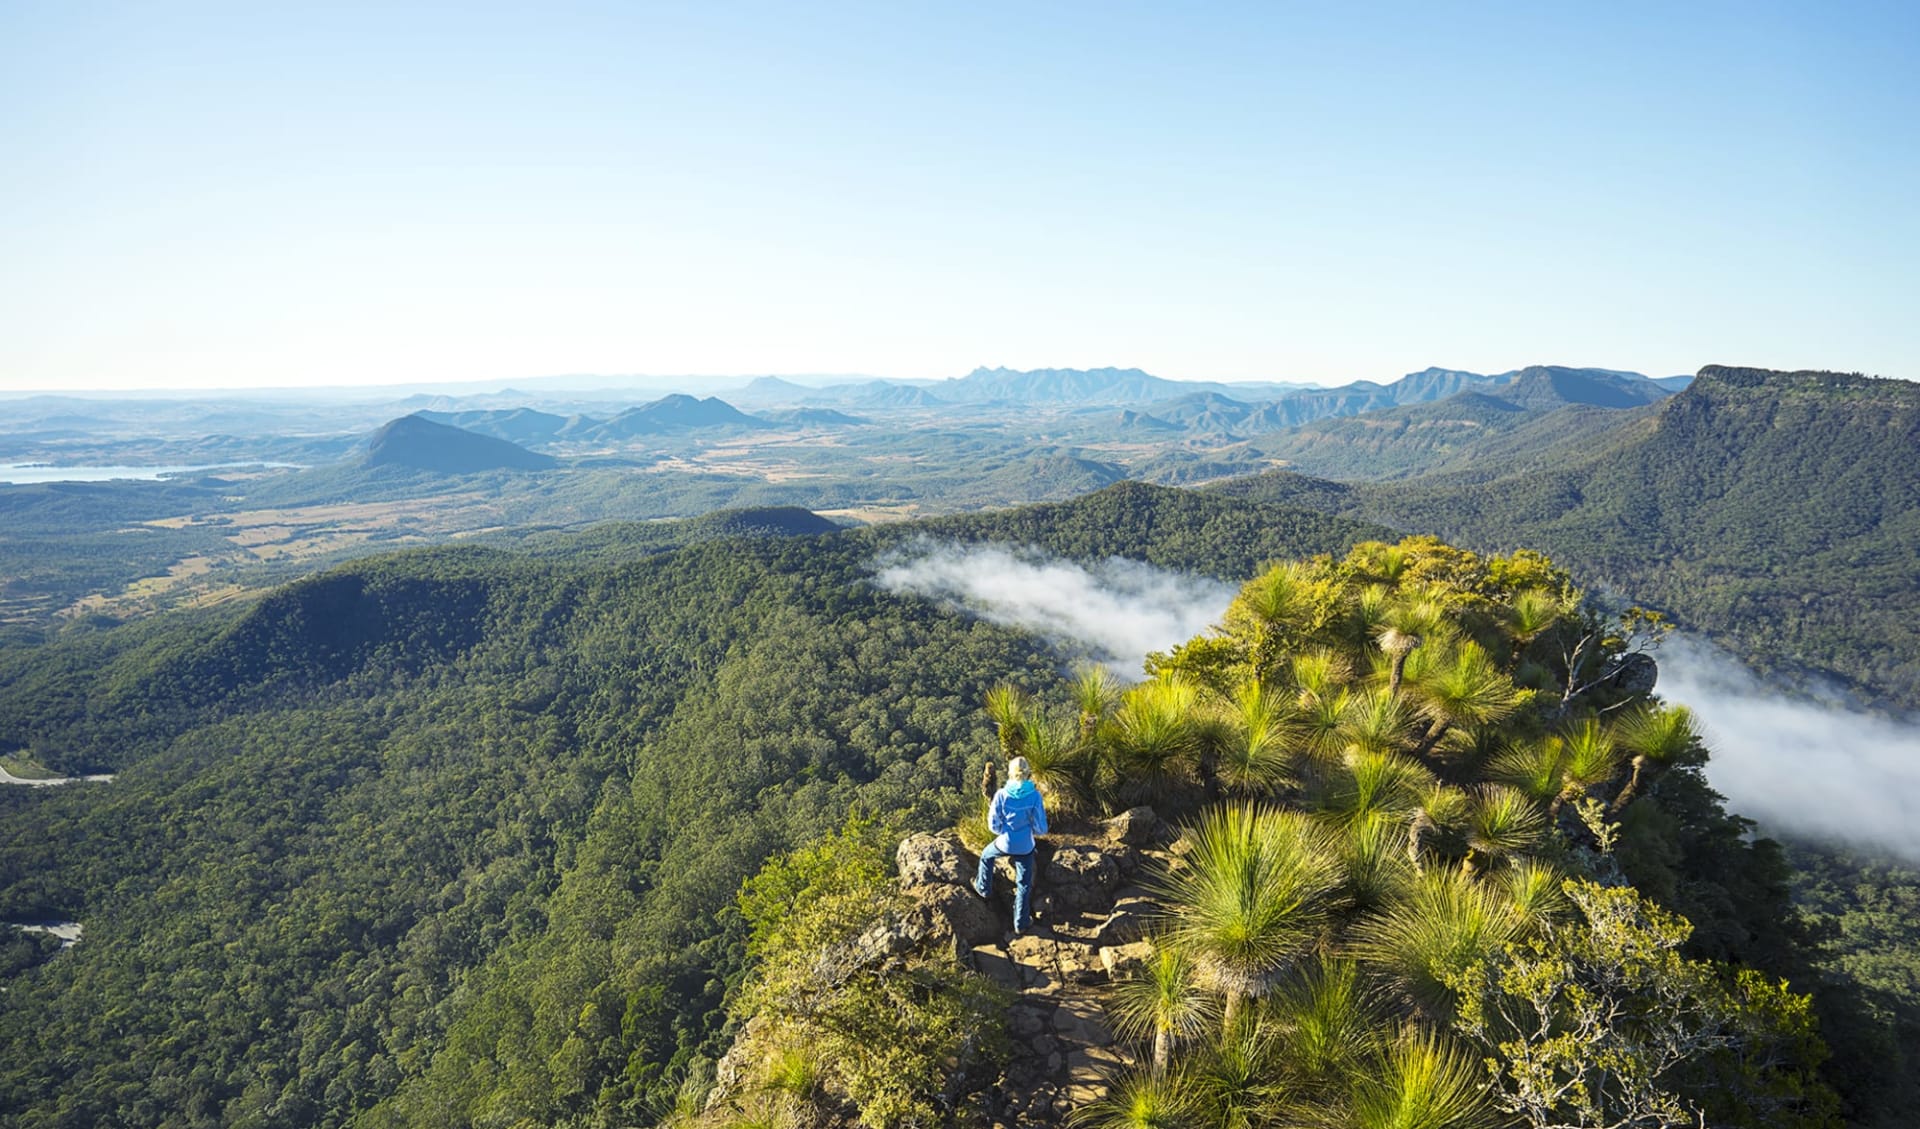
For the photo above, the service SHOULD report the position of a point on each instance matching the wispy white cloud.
(1114, 612)
(1818, 768)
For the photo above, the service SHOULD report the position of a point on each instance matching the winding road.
(9, 778)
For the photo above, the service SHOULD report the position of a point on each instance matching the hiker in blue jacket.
(1016, 815)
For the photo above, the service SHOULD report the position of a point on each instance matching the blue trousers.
(1022, 883)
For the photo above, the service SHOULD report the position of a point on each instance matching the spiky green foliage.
(1006, 706)
(1240, 1080)
(1418, 795)
(1365, 784)
(1255, 752)
(1062, 766)
(1155, 736)
(1095, 692)
(1375, 721)
(1448, 921)
(1332, 1024)
(1503, 821)
(1656, 737)
(1421, 1082)
(1143, 1101)
(1257, 888)
(1533, 887)
(1163, 1002)
(1378, 864)
(1464, 688)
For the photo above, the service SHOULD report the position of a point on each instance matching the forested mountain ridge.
(395, 813)
(1778, 511)
(1423, 835)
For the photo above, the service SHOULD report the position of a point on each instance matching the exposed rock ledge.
(1091, 919)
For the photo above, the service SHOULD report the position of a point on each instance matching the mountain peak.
(417, 442)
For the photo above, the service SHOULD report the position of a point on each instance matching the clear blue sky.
(247, 194)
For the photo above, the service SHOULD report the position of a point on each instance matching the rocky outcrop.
(1092, 921)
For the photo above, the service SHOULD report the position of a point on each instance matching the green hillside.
(367, 826)
(1779, 512)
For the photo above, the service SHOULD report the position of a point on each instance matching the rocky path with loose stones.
(1091, 919)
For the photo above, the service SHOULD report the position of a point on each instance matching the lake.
(19, 474)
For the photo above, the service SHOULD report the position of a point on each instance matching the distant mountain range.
(1487, 425)
(1249, 406)
(1437, 403)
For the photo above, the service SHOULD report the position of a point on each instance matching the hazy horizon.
(702, 383)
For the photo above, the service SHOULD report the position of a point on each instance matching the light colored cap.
(1018, 769)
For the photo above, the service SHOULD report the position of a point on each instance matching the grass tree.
(1534, 888)
(1143, 1101)
(1405, 625)
(1164, 1002)
(1319, 673)
(1061, 766)
(1503, 822)
(1445, 923)
(1155, 735)
(1255, 893)
(1373, 851)
(1437, 823)
(1365, 784)
(1463, 687)
(1332, 1025)
(1373, 722)
(1255, 753)
(1321, 719)
(1095, 692)
(1531, 614)
(1422, 1081)
(1241, 1080)
(1657, 737)
(1561, 766)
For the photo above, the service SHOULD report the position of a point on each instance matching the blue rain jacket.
(1017, 814)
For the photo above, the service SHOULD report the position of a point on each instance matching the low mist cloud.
(1810, 766)
(1113, 612)
(1818, 768)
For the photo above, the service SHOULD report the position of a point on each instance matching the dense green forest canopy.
(367, 824)
(452, 836)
